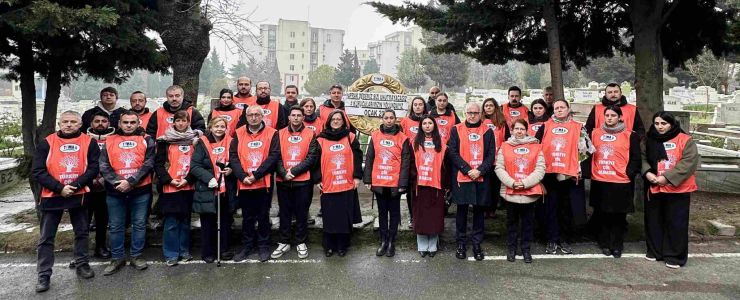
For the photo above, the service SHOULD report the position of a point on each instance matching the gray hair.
(471, 104)
(255, 107)
(72, 113)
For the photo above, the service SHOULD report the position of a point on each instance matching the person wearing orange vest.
(272, 110)
(520, 165)
(386, 174)
(244, 97)
(446, 118)
(548, 96)
(163, 117)
(126, 164)
(99, 130)
(410, 127)
(333, 103)
(514, 109)
(226, 110)
(471, 151)
(65, 164)
(565, 144)
(311, 118)
(253, 154)
(613, 96)
(613, 166)
(537, 116)
(493, 117)
(430, 187)
(291, 97)
(669, 164)
(211, 154)
(339, 174)
(172, 165)
(137, 101)
(107, 105)
(294, 185)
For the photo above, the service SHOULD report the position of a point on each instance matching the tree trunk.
(53, 90)
(553, 49)
(28, 98)
(185, 32)
(646, 17)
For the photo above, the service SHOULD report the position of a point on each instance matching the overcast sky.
(360, 22)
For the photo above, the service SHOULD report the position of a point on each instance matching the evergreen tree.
(410, 71)
(371, 66)
(320, 80)
(446, 70)
(347, 71)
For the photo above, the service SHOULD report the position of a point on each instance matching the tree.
(618, 68)
(371, 66)
(446, 70)
(266, 70)
(320, 79)
(347, 71)
(410, 71)
(240, 68)
(711, 71)
(212, 70)
(531, 76)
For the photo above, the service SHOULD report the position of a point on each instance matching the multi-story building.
(363, 56)
(388, 51)
(300, 48)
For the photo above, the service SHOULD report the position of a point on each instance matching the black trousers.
(667, 227)
(255, 205)
(294, 202)
(612, 227)
(97, 206)
(409, 204)
(209, 229)
(461, 224)
(49, 224)
(564, 208)
(336, 241)
(388, 205)
(517, 213)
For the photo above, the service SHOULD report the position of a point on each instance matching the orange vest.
(387, 163)
(317, 125)
(674, 150)
(337, 164)
(271, 111)
(533, 128)
(243, 103)
(628, 115)
(609, 162)
(429, 164)
(253, 150)
(232, 118)
(325, 111)
(66, 161)
(144, 119)
(519, 162)
(126, 155)
(410, 128)
(471, 149)
(294, 147)
(179, 166)
(498, 132)
(445, 124)
(165, 120)
(218, 152)
(511, 114)
(560, 145)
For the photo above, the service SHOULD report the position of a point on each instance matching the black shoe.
(551, 248)
(264, 254)
(527, 256)
(477, 253)
(113, 267)
(382, 249)
(43, 284)
(103, 253)
(617, 253)
(328, 252)
(228, 255)
(209, 259)
(461, 251)
(423, 253)
(565, 248)
(432, 253)
(511, 255)
(242, 255)
(84, 271)
(606, 251)
(342, 253)
(72, 264)
(391, 249)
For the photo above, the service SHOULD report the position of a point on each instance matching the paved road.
(713, 272)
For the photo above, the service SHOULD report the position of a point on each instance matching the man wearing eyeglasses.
(273, 114)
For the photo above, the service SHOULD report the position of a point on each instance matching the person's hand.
(401, 190)
(182, 183)
(175, 182)
(369, 186)
(68, 190)
(122, 186)
(249, 179)
(212, 184)
(226, 171)
(321, 188)
(651, 177)
(518, 185)
(289, 176)
(474, 174)
(660, 180)
(357, 183)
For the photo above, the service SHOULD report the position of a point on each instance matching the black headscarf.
(654, 148)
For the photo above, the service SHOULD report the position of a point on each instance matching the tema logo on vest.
(266, 112)
(295, 139)
(521, 150)
(514, 113)
(669, 145)
(560, 130)
(227, 117)
(311, 127)
(127, 145)
(336, 147)
(254, 144)
(414, 129)
(428, 144)
(170, 119)
(218, 150)
(387, 143)
(68, 148)
(473, 137)
(608, 138)
(184, 148)
(442, 122)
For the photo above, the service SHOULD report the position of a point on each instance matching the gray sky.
(360, 22)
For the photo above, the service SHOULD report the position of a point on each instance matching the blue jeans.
(118, 208)
(176, 237)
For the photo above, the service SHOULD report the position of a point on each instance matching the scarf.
(613, 130)
(334, 134)
(654, 148)
(523, 141)
(189, 137)
(535, 119)
(311, 117)
(392, 131)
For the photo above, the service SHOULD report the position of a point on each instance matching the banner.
(373, 104)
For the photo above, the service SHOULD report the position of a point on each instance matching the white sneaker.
(281, 249)
(649, 258)
(672, 266)
(302, 251)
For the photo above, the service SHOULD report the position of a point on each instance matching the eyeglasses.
(472, 113)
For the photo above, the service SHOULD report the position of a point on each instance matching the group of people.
(109, 162)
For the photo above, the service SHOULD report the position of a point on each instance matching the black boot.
(477, 252)
(461, 251)
(527, 256)
(43, 284)
(391, 249)
(382, 249)
(511, 255)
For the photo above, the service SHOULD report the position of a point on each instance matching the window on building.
(292, 34)
(303, 55)
(328, 38)
(303, 33)
(292, 56)
(292, 67)
(302, 67)
(292, 45)
(303, 45)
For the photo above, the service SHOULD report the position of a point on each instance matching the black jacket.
(42, 176)
(637, 125)
(161, 158)
(475, 193)
(407, 160)
(267, 166)
(196, 120)
(113, 117)
(308, 163)
(282, 120)
(146, 169)
(201, 168)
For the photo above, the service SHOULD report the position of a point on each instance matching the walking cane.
(218, 214)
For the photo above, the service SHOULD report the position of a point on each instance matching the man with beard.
(514, 109)
(138, 106)
(100, 130)
(107, 104)
(243, 97)
(274, 115)
(162, 118)
(630, 115)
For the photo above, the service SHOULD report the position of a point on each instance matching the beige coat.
(531, 180)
